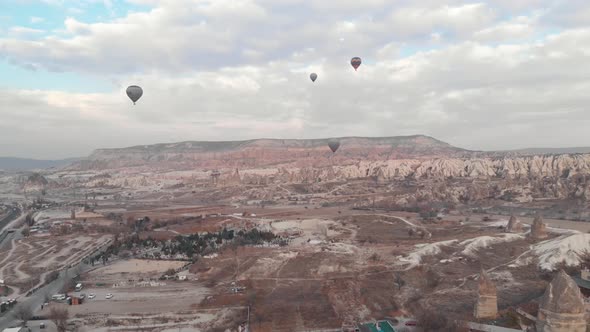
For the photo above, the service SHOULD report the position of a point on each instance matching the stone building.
(562, 307)
(487, 298)
(538, 229)
(514, 225)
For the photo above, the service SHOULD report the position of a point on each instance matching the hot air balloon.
(313, 77)
(334, 145)
(134, 92)
(355, 62)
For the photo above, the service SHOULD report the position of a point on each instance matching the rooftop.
(381, 326)
(581, 282)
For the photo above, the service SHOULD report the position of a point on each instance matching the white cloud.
(36, 19)
(521, 28)
(479, 75)
(459, 19)
(19, 31)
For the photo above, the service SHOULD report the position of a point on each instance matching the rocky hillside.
(267, 152)
(429, 159)
(533, 167)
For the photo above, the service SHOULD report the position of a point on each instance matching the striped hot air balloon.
(356, 62)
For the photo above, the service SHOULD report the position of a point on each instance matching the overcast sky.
(481, 75)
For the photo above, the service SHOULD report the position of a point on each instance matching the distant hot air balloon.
(334, 145)
(134, 92)
(355, 62)
(313, 77)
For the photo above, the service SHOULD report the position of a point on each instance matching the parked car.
(91, 296)
(109, 296)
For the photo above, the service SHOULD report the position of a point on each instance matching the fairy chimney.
(487, 299)
(538, 229)
(514, 225)
(562, 307)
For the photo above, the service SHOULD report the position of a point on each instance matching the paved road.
(13, 214)
(34, 301)
(6, 223)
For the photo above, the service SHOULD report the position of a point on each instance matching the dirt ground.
(29, 260)
(341, 266)
(171, 297)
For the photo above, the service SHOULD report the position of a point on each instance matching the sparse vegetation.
(59, 317)
(23, 313)
(436, 321)
(399, 281)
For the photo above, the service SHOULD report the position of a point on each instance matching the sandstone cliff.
(266, 152)
(386, 159)
(436, 169)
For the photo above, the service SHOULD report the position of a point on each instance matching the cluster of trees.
(430, 214)
(191, 245)
(115, 216)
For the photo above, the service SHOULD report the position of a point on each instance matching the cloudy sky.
(482, 75)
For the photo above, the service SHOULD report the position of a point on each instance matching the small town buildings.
(583, 281)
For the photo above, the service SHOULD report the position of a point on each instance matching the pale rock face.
(514, 225)
(487, 300)
(415, 159)
(562, 307)
(396, 157)
(538, 229)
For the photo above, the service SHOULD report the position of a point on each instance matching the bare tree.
(23, 313)
(432, 278)
(59, 317)
(431, 320)
(399, 282)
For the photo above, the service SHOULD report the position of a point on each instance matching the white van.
(58, 297)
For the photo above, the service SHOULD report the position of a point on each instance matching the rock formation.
(562, 307)
(538, 229)
(35, 182)
(514, 225)
(411, 160)
(389, 158)
(235, 178)
(487, 300)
